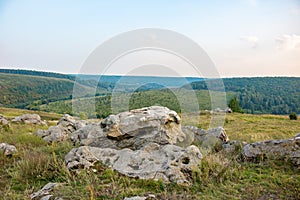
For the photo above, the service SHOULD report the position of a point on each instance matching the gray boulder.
(134, 129)
(207, 138)
(29, 119)
(274, 149)
(62, 131)
(3, 120)
(155, 122)
(153, 161)
(8, 149)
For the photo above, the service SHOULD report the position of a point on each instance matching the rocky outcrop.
(274, 149)
(3, 120)
(62, 131)
(45, 192)
(153, 161)
(141, 143)
(29, 119)
(8, 149)
(133, 129)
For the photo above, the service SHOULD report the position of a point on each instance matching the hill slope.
(276, 95)
(25, 90)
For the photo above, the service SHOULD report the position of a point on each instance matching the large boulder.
(274, 149)
(29, 119)
(3, 120)
(133, 129)
(62, 131)
(153, 161)
(140, 143)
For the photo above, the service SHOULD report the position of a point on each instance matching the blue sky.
(242, 37)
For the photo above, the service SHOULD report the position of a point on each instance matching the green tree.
(293, 116)
(235, 105)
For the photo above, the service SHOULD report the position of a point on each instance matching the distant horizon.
(137, 75)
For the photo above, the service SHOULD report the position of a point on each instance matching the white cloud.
(288, 42)
(250, 39)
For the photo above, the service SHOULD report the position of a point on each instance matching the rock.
(274, 149)
(233, 146)
(89, 135)
(155, 123)
(153, 161)
(141, 143)
(209, 138)
(228, 110)
(62, 131)
(135, 198)
(29, 119)
(3, 120)
(134, 129)
(45, 192)
(7, 149)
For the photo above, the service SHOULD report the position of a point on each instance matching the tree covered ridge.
(37, 73)
(275, 95)
(20, 91)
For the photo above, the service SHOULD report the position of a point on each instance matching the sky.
(241, 37)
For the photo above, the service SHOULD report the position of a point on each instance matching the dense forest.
(21, 91)
(275, 95)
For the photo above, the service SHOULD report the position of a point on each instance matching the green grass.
(220, 176)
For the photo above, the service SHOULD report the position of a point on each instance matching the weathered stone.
(8, 149)
(274, 149)
(233, 146)
(62, 131)
(209, 138)
(153, 161)
(29, 119)
(45, 192)
(155, 123)
(134, 129)
(3, 120)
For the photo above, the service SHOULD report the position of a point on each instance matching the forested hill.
(37, 73)
(21, 91)
(276, 95)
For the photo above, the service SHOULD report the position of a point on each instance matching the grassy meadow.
(220, 176)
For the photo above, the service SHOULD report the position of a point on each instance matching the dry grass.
(220, 176)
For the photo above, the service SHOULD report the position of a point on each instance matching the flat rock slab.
(153, 161)
(274, 149)
(29, 119)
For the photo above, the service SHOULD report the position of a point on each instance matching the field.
(220, 176)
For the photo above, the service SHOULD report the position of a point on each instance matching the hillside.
(47, 91)
(276, 95)
(37, 73)
(163, 97)
(24, 91)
